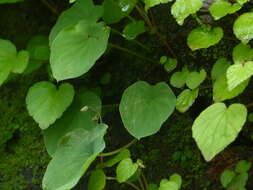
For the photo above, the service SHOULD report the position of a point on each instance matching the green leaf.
(194, 79)
(217, 126)
(168, 185)
(242, 53)
(183, 8)
(170, 64)
(240, 181)
(176, 178)
(220, 67)
(73, 118)
(178, 79)
(21, 62)
(201, 38)
(243, 27)
(152, 187)
(238, 73)
(140, 102)
(38, 48)
(97, 180)
(10, 1)
(125, 153)
(76, 151)
(79, 11)
(46, 103)
(115, 10)
(243, 166)
(222, 8)
(227, 177)
(221, 92)
(125, 169)
(185, 99)
(250, 117)
(152, 3)
(133, 29)
(76, 49)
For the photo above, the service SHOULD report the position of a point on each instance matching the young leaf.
(133, 29)
(46, 103)
(243, 166)
(79, 11)
(219, 68)
(73, 118)
(152, 187)
(194, 79)
(227, 177)
(115, 10)
(125, 169)
(176, 178)
(243, 27)
(242, 53)
(170, 64)
(168, 185)
(139, 98)
(240, 181)
(200, 38)
(238, 73)
(186, 99)
(178, 79)
(76, 49)
(97, 180)
(76, 151)
(152, 3)
(217, 126)
(183, 8)
(21, 61)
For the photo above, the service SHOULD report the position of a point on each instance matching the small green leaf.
(133, 29)
(200, 38)
(76, 48)
(238, 73)
(243, 166)
(152, 187)
(125, 169)
(250, 117)
(219, 68)
(242, 53)
(46, 103)
(139, 98)
(183, 8)
(243, 27)
(185, 99)
(152, 3)
(170, 64)
(194, 79)
(168, 185)
(178, 79)
(227, 177)
(163, 59)
(97, 180)
(176, 178)
(239, 181)
(75, 152)
(217, 126)
(20, 62)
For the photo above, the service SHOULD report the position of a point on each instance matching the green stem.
(144, 16)
(144, 180)
(198, 20)
(131, 53)
(118, 150)
(126, 182)
(141, 183)
(130, 18)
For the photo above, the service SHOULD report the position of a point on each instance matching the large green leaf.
(46, 103)
(242, 53)
(221, 8)
(76, 49)
(152, 3)
(79, 11)
(141, 102)
(76, 151)
(238, 73)
(97, 180)
(72, 119)
(217, 126)
(115, 10)
(133, 29)
(183, 8)
(202, 38)
(243, 27)
(125, 169)
(185, 99)
(194, 79)
(219, 68)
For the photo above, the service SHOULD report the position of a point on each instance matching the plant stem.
(144, 180)
(126, 182)
(52, 8)
(198, 20)
(144, 16)
(141, 183)
(134, 41)
(131, 53)
(118, 150)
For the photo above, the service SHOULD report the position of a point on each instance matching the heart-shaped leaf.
(183, 8)
(46, 103)
(75, 152)
(97, 180)
(133, 29)
(194, 79)
(176, 178)
(185, 99)
(178, 79)
(217, 126)
(140, 102)
(238, 73)
(243, 27)
(73, 118)
(242, 53)
(227, 177)
(76, 48)
(168, 185)
(219, 68)
(202, 38)
(125, 169)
